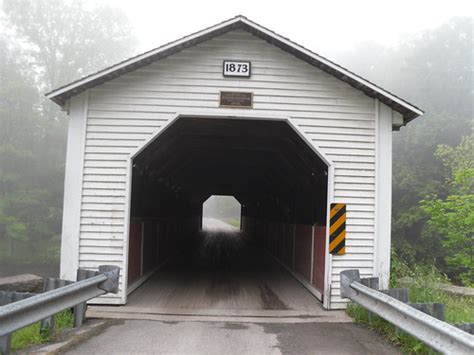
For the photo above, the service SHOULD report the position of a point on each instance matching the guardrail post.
(5, 343)
(111, 285)
(19, 309)
(373, 283)
(80, 309)
(400, 294)
(438, 311)
(7, 297)
(440, 335)
(433, 309)
(467, 327)
(47, 324)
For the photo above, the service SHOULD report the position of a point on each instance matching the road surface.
(214, 224)
(152, 337)
(223, 297)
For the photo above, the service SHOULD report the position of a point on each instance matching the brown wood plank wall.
(293, 246)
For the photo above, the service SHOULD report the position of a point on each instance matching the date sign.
(237, 68)
(235, 99)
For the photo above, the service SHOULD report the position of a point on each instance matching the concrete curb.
(336, 318)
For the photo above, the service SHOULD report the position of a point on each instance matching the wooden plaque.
(236, 99)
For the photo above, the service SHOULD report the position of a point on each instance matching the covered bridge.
(235, 109)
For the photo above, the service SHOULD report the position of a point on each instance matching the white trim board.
(70, 233)
(328, 261)
(383, 189)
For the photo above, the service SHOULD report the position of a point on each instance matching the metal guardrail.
(439, 335)
(27, 311)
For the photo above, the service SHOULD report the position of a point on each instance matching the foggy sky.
(325, 27)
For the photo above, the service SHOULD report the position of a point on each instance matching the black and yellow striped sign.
(337, 229)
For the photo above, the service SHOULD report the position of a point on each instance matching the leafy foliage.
(407, 343)
(453, 216)
(64, 40)
(421, 282)
(43, 44)
(32, 335)
(432, 69)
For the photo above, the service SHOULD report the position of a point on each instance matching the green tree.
(18, 98)
(432, 69)
(65, 40)
(44, 44)
(453, 216)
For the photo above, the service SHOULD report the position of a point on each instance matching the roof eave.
(62, 94)
(58, 95)
(411, 111)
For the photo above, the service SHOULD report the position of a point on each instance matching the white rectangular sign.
(236, 68)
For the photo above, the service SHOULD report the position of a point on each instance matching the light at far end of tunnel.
(221, 213)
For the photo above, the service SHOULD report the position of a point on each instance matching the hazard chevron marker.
(337, 229)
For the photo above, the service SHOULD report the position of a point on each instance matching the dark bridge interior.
(264, 164)
(279, 180)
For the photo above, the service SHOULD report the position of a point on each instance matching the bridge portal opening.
(281, 184)
(221, 212)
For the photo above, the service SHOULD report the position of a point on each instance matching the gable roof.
(62, 94)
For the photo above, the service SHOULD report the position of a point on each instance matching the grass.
(458, 309)
(420, 281)
(234, 222)
(407, 343)
(31, 335)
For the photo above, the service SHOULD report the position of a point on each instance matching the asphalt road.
(214, 224)
(221, 297)
(152, 337)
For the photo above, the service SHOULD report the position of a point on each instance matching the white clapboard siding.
(102, 243)
(353, 242)
(104, 93)
(103, 101)
(97, 185)
(360, 112)
(101, 236)
(124, 112)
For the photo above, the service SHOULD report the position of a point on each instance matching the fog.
(222, 208)
(419, 50)
(325, 27)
